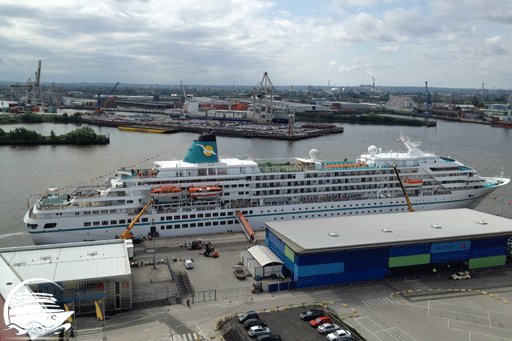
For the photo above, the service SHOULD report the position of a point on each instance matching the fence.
(282, 286)
(204, 296)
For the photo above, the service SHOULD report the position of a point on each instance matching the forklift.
(195, 245)
(210, 251)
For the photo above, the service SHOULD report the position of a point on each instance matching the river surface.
(31, 170)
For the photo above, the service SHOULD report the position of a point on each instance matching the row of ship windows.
(192, 216)
(145, 220)
(200, 224)
(344, 213)
(201, 215)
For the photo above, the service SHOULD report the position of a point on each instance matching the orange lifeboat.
(166, 191)
(413, 183)
(204, 192)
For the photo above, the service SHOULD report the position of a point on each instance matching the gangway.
(246, 227)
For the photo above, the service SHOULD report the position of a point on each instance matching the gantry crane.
(100, 102)
(32, 87)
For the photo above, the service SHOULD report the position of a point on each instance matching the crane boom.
(403, 189)
(127, 234)
(100, 102)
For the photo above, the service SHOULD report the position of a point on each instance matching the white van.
(188, 264)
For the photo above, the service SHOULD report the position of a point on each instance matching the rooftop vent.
(92, 253)
(334, 234)
(46, 257)
(20, 263)
(386, 230)
(482, 222)
(435, 226)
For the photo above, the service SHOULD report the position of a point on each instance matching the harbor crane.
(265, 91)
(31, 87)
(429, 101)
(128, 234)
(100, 102)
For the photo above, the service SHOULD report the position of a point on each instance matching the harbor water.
(30, 170)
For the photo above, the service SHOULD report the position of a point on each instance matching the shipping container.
(488, 252)
(451, 246)
(319, 269)
(274, 240)
(409, 260)
(444, 257)
(486, 262)
(403, 271)
(488, 242)
(366, 264)
(409, 250)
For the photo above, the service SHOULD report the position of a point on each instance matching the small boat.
(413, 183)
(166, 191)
(204, 192)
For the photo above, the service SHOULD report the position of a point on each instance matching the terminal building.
(328, 251)
(87, 272)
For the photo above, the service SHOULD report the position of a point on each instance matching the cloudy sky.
(449, 43)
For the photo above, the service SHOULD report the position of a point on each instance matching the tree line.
(23, 136)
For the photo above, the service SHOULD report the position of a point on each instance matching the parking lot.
(285, 323)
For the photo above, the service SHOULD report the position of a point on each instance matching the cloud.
(388, 48)
(226, 41)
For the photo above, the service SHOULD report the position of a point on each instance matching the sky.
(449, 43)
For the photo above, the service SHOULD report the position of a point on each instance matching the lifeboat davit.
(166, 191)
(413, 183)
(204, 192)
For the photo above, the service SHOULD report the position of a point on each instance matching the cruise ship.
(204, 194)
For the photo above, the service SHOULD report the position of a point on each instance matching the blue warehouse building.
(327, 251)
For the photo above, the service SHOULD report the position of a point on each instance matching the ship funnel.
(203, 150)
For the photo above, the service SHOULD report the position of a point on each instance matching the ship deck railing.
(140, 174)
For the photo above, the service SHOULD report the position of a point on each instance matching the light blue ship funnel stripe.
(202, 152)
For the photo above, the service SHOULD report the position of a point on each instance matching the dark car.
(311, 314)
(248, 315)
(268, 337)
(254, 322)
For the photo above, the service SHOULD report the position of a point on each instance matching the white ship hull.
(317, 190)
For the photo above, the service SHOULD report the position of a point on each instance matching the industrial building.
(86, 272)
(328, 251)
(261, 262)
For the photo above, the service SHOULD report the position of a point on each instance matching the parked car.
(339, 335)
(248, 315)
(268, 337)
(258, 330)
(327, 328)
(311, 314)
(188, 264)
(461, 275)
(319, 321)
(254, 322)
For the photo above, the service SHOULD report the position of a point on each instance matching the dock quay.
(232, 129)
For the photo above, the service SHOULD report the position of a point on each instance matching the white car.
(258, 330)
(327, 328)
(339, 335)
(188, 264)
(461, 275)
